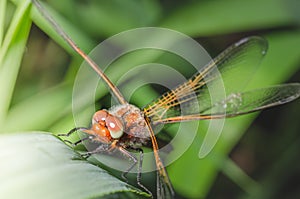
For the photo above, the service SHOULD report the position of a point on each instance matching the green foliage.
(38, 165)
(12, 49)
(41, 104)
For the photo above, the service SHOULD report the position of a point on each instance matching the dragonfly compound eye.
(114, 126)
(100, 116)
(101, 130)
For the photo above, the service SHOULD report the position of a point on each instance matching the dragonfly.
(125, 127)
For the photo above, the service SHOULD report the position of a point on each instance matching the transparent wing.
(228, 73)
(164, 187)
(243, 103)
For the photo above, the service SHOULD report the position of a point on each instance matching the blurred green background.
(257, 155)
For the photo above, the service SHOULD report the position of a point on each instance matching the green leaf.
(39, 111)
(109, 15)
(38, 165)
(11, 54)
(2, 20)
(83, 41)
(202, 18)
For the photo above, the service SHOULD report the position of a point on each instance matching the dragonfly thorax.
(133, 119)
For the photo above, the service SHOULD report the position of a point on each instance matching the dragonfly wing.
(164, 190)
(232, 70)
(243, 103)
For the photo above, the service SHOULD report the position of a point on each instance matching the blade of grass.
(39, 111)
(109, 15)
(85, 43)
(12, 53)
(2, 20)
(203, 18)
(12, 32)
(82, 40)
(239, 177)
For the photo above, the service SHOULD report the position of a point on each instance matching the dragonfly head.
(107, 126)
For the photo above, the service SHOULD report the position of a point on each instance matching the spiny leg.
(102, 148)
(139, 172)
(77, 142)
(133, 158)
(72, 131)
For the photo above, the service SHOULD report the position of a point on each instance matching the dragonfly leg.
(133, 158)
(73, 144)
(135, 161)
(139, 173)
(72, 131)
(102, 148)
